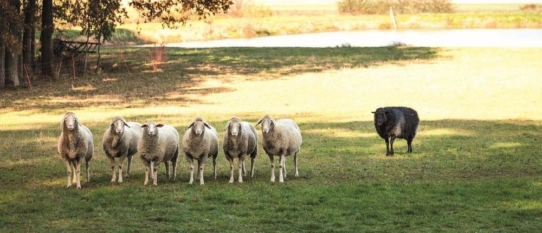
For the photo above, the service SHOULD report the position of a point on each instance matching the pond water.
(378, 38)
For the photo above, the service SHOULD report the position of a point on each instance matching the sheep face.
(267, 123)
(380, 117)
(69, 121)
(117, 126)
(198, 126)
(234, 126)
(151, 128)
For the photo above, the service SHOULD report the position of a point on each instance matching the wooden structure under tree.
(69, 49)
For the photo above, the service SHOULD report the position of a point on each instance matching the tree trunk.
(46, 39)
(12, 67)
(28, 36)
(2, 65)
(12, 54)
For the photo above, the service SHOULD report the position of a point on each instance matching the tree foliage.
(10, 18)
(179, 11)
(96, 18)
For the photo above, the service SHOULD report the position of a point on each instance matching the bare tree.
(46, 38)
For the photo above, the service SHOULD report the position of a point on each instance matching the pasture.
(476, 164)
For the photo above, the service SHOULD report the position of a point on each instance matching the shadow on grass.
(139, 77)
(278, 62)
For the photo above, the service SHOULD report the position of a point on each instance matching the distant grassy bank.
(260, 20)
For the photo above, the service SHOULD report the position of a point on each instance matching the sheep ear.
(125, 123)
(191, 124)
(259, 121)
(206, 125)
(373, 112)
(159, 125)
(144, 126)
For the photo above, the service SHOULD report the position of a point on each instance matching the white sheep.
(280, 138)
(120, 141)
(75, 144)
(200, 143)
(240, 140)
(158, 143)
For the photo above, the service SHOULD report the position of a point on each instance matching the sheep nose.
(151, 132)
(119, 131)
(266, 130)
(198, 132)
(70, 127)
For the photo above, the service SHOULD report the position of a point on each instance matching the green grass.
(475, 173)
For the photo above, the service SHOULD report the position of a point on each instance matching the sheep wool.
(120, 141)
(280, 138)
(200, 141)
(240, 140)
(75, 145)
(396, 122)
(158, 143)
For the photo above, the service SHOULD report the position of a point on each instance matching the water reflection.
(377, 38)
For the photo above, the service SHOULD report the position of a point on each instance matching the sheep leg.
(87, 168)
(241, 166)
(198, 174)
(201, 163)
(252, 167)
(244, 169)
(230, 160)
(113, 174)
(129, 166)
(78, 172)
(392, 139)
(387, 147)
(281, 168)
(69, 172)
(166, 163)
(74, 172)
(191, 166)
(174, 166)
(272, 168)
(147, 169)
(409, 143)
(121, 161)
(295, 165)
(284, 167)
(154, 174)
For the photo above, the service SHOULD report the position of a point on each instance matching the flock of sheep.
(157, 143)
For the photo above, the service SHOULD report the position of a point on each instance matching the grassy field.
(475, 168)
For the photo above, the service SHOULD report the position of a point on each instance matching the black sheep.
(396, 122)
